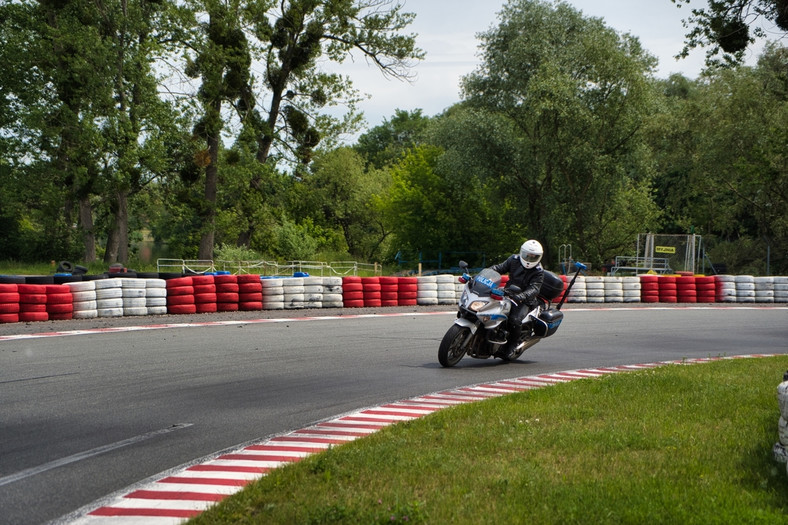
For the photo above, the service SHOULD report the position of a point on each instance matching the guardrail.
(641, 264)
(269, 268)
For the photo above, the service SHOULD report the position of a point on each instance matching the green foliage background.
(564, 134)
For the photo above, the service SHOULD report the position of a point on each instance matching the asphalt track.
(92, 410)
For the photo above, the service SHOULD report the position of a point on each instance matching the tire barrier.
(780, 449)
(781, 289)
(273, 294)
(38, 298)
(614, 289)
(595, 289)
(371, 291)
(9, 303)
(389, 291)
(408, 291)
(352, 292)
(427, 294)
(725, 286)
(578, 293)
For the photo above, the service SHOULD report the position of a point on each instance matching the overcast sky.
(447, 31)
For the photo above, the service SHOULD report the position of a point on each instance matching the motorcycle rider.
(524, 271)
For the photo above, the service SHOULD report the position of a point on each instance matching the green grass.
(676, 444)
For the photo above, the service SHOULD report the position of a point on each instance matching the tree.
(573, 96)
(342, 195)
(386, 143)
(288, 118)
(727, 27)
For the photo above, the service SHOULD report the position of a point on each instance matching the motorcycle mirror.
(463, 265)
(581, 266)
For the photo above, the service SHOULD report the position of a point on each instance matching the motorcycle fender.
(467, 324)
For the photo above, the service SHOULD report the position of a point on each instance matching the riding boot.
(511, 344)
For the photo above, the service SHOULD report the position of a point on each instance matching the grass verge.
(676, 444)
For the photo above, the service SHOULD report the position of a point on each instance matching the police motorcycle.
(484, 306)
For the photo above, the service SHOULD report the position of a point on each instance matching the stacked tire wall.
(119, 296)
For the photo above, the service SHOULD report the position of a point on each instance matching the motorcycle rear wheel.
(451, 349)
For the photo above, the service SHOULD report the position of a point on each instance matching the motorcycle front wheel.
(451, 349)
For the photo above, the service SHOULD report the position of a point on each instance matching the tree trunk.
(88, 233)
(209, 212)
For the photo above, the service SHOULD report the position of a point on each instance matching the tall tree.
(728, 27)
(288, 118)
(222, 62)
(575, 95)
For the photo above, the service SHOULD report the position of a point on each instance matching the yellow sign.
(665, 249)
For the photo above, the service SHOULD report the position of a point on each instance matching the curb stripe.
(160, 503)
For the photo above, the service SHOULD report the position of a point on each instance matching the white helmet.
(530, 253)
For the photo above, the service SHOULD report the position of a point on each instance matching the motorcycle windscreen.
(485, 281)
(547, 323)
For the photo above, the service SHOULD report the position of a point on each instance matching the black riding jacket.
(529, 280)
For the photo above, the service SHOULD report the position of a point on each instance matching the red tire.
(36, 289)
(204, 298)
(352, 287)
(250, 287)
(226, 297)
(227, 288)
(60, 298)
(227, 307)
(182, 308)
(26, 317)
(204, 288)
(202, 279)
(9, 288)
(60, 308)
(9, 308)
(178, 281)
(354, 303)
(180, 290)
(249, 306)
(225, 279)
(61, 317)
(353, 296)
(248, 278)
(9, 318)
(206, 308)
(32, 307)
(9, 297)
(252, 297)
(180, 300)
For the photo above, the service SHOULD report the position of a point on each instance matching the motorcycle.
(480, 328)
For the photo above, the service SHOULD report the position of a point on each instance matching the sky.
(447, 31)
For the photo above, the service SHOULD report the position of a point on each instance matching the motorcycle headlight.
(477, 305)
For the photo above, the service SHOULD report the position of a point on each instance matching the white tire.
(157, 310)
(313, 289)
(110, 312)
(133, 292)
(137, 310)
(155, 292)
(85, 305)
(151, 302)
(274, 305)
(134, 302)
(87, 295)
(130, 282)
(85, 314)
(82, 286)
(107, 283)
(106, 304)
(109, 293)
(293, 281)
(155, 283)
